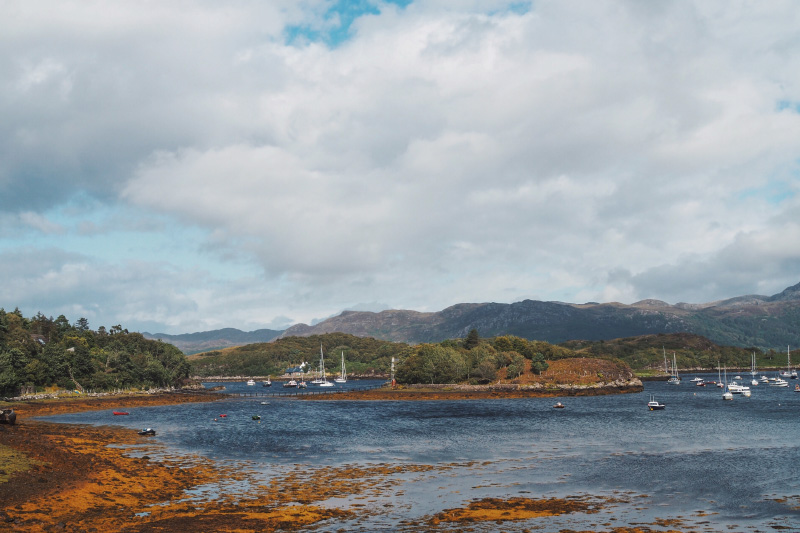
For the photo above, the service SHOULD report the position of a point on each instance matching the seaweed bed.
(63, 477)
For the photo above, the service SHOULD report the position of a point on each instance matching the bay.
(711, 464)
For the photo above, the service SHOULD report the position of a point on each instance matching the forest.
(41, 353)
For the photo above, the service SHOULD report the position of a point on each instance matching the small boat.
(559, 405)
(117, 413)
(250, 382)
(264, 403)
(302, 385)
(674, 379)
(697, 378)
(779, 383)
(343, 375)
(290, 383)
(797, 387)
(267, 383)
(223, 416)
(8, 416)
(324, 382)
(700, 383)
(736, 388)
(147, 431)
(256, 417)
(653, 404)
(726, 394)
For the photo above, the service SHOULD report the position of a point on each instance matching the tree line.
(475, 360)
(41, 352)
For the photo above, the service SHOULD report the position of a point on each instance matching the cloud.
(420, 154)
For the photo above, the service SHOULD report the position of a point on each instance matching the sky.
(191, 165)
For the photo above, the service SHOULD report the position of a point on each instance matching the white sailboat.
(791, 374)
(343, 376)
(325, 382)
(727, 395)
(753, 370)
(675, 379)
(318, 380)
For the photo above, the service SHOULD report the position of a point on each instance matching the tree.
(486, 371)
(538, 363)
(517, 365)
(82, 324)
(472, 340)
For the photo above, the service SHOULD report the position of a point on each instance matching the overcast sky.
(190, 165)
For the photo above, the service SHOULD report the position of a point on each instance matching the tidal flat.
(603, 464)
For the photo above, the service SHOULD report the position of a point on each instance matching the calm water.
(700, 456)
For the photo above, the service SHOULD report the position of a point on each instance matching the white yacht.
(343, 376)
(325, 382)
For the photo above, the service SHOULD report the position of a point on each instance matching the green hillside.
(363, 355)
(646, 353)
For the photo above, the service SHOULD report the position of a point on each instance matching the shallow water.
(711, 463)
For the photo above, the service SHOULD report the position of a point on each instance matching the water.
(708, 462)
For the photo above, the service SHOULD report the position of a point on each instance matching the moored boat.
(147, 431)
(251, 382)
(118, 413)
(8, 416)
(290, 383)
(559, 405)
(654, 405)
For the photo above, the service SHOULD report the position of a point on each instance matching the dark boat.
(147, 431)
(8, 416)
(256, 417)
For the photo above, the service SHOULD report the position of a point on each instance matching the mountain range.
(746, 321)
(204, 341)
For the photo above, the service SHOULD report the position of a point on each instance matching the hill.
(363, 356)
(758, 321)
(693, 352)
(204, 341)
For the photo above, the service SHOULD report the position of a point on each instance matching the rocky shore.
(484, 392)
(66, 477)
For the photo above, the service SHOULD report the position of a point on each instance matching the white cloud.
(445, 153)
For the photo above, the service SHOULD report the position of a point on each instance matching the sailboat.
(753, 371)
(675, 378)
(791, 374)
(325, 382)
(343, 376)
(727, 395)
(318, 380)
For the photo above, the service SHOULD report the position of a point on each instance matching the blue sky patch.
(788, 104)
(334, 27)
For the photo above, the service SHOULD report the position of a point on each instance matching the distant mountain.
(746, 321)
(203, 341)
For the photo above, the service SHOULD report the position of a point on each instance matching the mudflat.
(67, 477)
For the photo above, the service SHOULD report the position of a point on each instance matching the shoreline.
(77, 477)
(491, 393)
